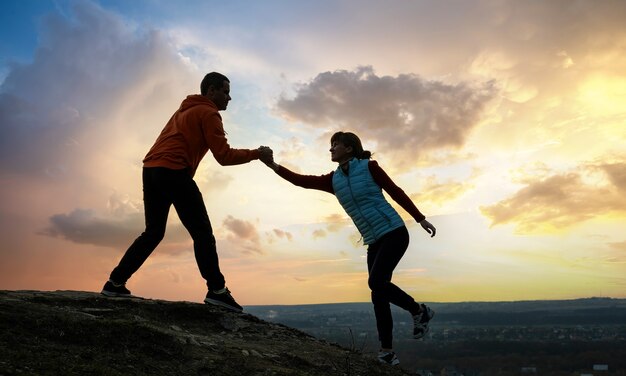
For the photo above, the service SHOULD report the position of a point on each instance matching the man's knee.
(154, 235)
(204, 238)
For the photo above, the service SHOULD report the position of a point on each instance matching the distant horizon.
(451, 302)
(350, 302)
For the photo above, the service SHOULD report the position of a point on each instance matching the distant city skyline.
(504, 121)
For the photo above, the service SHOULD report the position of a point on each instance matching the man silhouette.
(168, 170)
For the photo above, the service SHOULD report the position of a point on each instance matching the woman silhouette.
(358, 183)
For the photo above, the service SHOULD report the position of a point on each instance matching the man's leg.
(192, 212)
(156, 185)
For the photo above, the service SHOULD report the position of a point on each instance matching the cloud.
(271, 236)
(617, 252)
(83, 226)
(616, 173)
(242, 229)
(120, 205)
(291, 149)
(58, 111)
(117, 229)
(407, 116)
(336, 222)
(332, 223)
(283, 234)
(619, 246)
(212, 180)
(76, 113)
(439, 192)
(561, 200)
(243, 234)
(319, 233)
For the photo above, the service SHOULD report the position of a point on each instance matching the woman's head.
(346, 145)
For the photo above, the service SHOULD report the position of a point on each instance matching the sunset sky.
(504, 121)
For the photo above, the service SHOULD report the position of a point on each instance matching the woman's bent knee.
(376, 284)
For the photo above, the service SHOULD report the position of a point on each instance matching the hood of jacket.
(196, 100)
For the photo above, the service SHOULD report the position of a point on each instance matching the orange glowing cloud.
(561, 200)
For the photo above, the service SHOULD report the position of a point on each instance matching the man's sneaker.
(421, 320)
(113, 289)
(388, 357)
(222, 298)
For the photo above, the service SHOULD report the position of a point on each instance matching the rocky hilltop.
(84, 333)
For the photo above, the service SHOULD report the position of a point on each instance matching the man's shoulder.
(197, 102)
(205, 111)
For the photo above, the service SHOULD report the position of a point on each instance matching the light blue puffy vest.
(364, 202)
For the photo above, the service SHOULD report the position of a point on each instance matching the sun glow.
(604, 95)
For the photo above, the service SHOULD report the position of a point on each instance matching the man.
(168, 170)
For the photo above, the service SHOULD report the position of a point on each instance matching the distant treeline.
(591, 316)
(590, 311)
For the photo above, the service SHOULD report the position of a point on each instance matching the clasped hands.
(266, 155)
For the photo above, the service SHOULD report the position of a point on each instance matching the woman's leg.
(382, 258)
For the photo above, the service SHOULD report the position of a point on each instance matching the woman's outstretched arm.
(319, 182)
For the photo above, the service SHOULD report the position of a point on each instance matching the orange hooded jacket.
(195, 128)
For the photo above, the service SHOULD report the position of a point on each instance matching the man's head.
(216, 87)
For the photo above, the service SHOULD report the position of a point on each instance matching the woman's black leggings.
(382, 258)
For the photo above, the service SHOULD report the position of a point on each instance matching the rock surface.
(85, 333)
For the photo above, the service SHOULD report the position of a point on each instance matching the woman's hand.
(267, 157)
(428, 227)
(266, 154)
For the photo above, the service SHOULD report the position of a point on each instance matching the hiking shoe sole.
(222, 304)
(112, 294)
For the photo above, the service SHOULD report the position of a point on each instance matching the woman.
(357, 183)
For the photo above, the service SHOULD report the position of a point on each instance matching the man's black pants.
(163, 187)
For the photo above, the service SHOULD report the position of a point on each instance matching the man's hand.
(428, 227)
(266, 155)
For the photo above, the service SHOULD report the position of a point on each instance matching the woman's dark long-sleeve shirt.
(325, 183)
